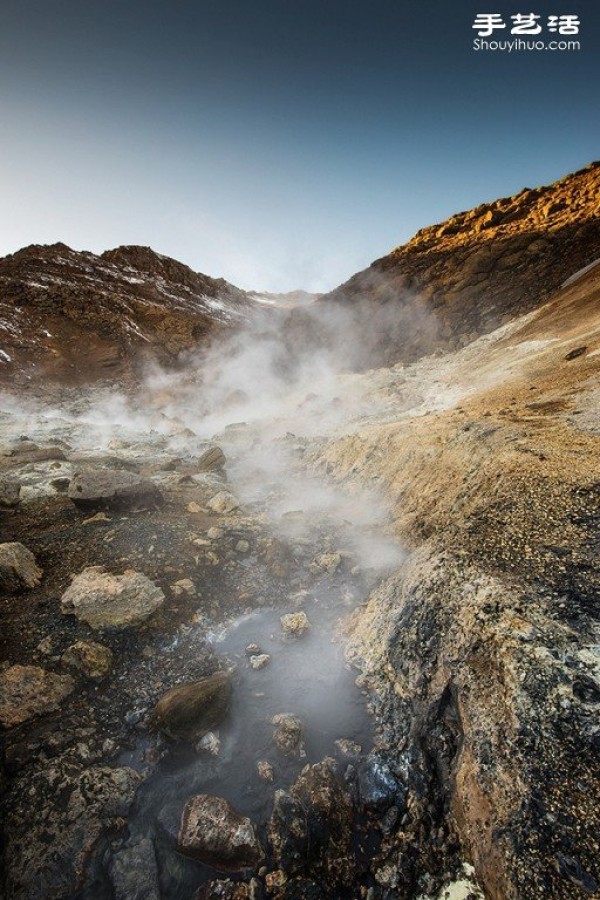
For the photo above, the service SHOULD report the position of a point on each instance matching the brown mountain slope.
(74, 316)
(463, 277)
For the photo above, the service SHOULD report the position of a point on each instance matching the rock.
(211, 460)
(326, 563)
(242, 546)
(213, 832)
(230, 890)
(215, 534)
(28, 691)
(259, 661)
(187, 712)
(295, 624)
(223, 503)
(92, 659)
(9, 492)
(288, 733)
(111, 601)
(265, 770)
(253, 650)
(193, 507)
(18, 568)
(210, 743)
(574, 354)
(112, 489)
(311, 829)
(377, 786)
(184, 586)
(133, 871)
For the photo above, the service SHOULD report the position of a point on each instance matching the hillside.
(76, 317)
(463, 277)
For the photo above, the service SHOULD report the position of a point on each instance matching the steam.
(268, 393)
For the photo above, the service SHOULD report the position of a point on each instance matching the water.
(308, 677)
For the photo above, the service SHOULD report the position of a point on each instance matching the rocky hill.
(75, 317)
(465, 276)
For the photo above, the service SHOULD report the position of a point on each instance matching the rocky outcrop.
(108, 601)
(463, 277)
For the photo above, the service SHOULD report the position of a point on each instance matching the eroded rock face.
(311, 829)
(212, 831)
(107, 601)
(18, 568)
(28, 691)
(112, 489)
(189, 711)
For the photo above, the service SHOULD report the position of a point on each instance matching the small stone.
(18, 568)
(193, 507)
(260, 661)
(242, 546)
(98, 517)
(223, 503)
(253, 650)
(288, 733)
(184, 586)
(265, 770)
(213, 832)
(215, 534)
(28, 691)
(209, 743)
(326, 563)
(211, 460)
(92, 659)
(295, 624)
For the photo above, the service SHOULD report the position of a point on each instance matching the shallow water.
(307, 676)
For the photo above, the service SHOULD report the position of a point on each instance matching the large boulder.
(213, 832)
(311, 829)
(18, 568)
(28, 691)
(189, 711)
(112, 489)
(10, 490)
(107, 601)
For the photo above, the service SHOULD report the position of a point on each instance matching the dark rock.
(110, 489)
(213, 832)
(377, 786)
(573, 870)
(573, 354)
(134, 873)
(189, 711)
(9, 492)
(311, 828)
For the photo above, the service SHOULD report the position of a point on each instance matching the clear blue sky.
(276, 143)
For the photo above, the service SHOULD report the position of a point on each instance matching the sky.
(280, 144)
